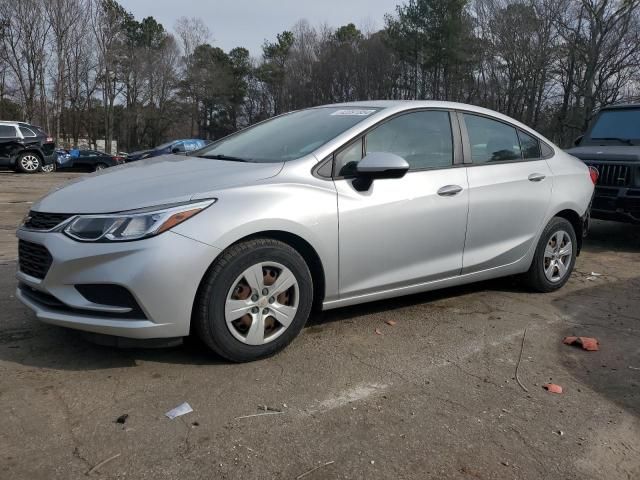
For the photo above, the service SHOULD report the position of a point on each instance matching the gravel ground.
(434, 396)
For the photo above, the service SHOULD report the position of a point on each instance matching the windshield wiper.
(225, 157)
(618, 139)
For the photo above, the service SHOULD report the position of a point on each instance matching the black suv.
(612, 146)
(25, 148)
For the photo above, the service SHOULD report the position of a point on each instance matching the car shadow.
(611, 313)
(613, 236)
(45, 346)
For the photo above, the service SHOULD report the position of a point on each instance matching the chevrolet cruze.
(327, 207)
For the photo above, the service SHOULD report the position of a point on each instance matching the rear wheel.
(555, 257)
(49, 168)
(254, 300)
(28, 162)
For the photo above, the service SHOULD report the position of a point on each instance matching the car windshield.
(619, 125)
(287, 137)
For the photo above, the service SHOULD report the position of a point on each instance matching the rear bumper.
(618, 204)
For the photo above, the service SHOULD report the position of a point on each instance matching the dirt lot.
(432, 397)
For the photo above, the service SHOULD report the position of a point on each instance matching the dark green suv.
(612, 146)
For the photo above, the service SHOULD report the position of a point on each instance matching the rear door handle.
(536, 177)
(449, 190)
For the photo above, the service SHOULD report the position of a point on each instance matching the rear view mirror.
(577, 141)
(379, 165)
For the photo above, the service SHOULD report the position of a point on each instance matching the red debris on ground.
(553, 388)
(587, 343)
(391, 323)
(378, 332)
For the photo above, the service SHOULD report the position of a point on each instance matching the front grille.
(34, 260)
(612, 175)
(45, 221)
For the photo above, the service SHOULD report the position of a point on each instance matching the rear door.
(404, 231)
(509, 192)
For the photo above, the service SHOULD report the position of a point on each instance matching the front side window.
(423, 139)
(178, 146)
(7, 131)
(287, 137)
(491, 141)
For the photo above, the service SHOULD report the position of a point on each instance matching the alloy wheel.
(558, 255)
(262, 303)
(30, 163)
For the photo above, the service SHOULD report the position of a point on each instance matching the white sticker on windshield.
(353, 113)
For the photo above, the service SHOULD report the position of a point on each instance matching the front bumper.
(618, 204)
(161, 273)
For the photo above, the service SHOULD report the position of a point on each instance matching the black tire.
(100, 166)
(209, 309)
(22, 165)
(535, 277)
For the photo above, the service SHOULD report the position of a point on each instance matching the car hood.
(607, 152)
(155, 181)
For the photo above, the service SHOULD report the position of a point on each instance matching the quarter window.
(423, 139)
(491, 141)
(529, 145)
(348, 158)
(7, 131)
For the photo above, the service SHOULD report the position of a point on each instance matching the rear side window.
(26, 132)
(7, 131)
(529, 145)
(423, 139)
(491, 141)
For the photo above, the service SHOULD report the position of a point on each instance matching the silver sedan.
(324, 207)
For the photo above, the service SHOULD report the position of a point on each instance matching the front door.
(405, 231)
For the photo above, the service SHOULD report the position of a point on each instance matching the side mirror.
(379, 165)
(175, 150)
(577, 141)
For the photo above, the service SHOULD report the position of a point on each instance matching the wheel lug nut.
(255, 310)
(254, 298)
(265, 291)
(272, 300)
(265, 311)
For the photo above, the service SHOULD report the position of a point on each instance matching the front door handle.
(536, 177)
(449, 190)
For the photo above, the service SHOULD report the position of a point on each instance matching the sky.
(248, 23)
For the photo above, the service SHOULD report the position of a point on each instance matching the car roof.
(621, 106)
(395, 106)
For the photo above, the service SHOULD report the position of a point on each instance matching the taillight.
(594, 174)
(49, 139)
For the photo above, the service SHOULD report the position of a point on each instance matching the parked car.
(88, 160)
(329, 206)
(25, 148)
(612, 147)
(179, 147)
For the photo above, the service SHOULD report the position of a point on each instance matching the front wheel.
(555, 257)
(100, 166)
(254, 300)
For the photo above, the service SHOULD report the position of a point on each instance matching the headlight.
(132, 225)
